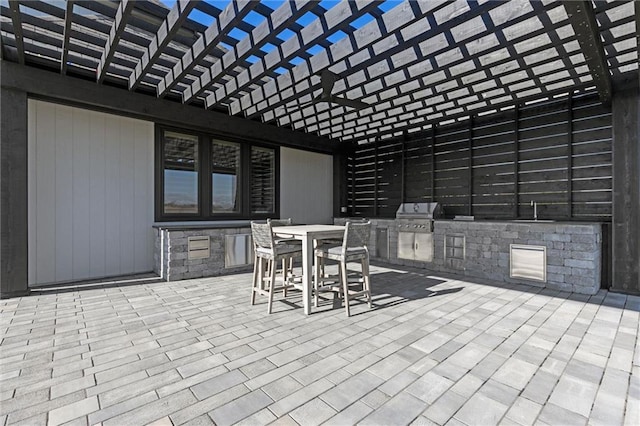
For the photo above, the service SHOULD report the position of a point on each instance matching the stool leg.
(272, 284)
(316, 280)
(256, 276)
(366, 280)
(345, 286)
(285, 272)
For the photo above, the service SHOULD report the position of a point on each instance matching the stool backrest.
(356, 235)
(279, 222)
(357, 220)
(262, 235)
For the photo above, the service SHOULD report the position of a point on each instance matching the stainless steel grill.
(415, 228)
(417, 217)
(428, 211)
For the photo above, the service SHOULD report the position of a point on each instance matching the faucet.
(535, 210)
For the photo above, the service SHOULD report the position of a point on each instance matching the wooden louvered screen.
(452, 169)
(418, 170)
(494, 159)
(556, 153)
(389, 178)
(263, 187)
(363, 181)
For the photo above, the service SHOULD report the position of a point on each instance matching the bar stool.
(268, 253)
(333, 242)
(287, 266)
(353, 248)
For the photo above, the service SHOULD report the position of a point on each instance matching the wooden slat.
(592, 184)
(273, 94)
(333, 20)
(16, 19)
(597, 212)
(492, 103)
(117, 30)
(542, 167)
(68, 19)
(229, 18)
(398, 73)
(594, 134)
(592, 159)
(592, 196)
(91, 45)
(545, 154)
(422, 104)
(175, 18)
(543, 141)
(492, 179)
(603, 171)
(583, 21)
(266, 31)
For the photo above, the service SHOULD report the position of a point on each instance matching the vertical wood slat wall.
(90, 193)
(556, 153)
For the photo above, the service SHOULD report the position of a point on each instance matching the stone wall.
(171, 256)
(574, 251)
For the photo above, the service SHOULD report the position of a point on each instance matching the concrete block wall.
(574, 251)
(171, 254)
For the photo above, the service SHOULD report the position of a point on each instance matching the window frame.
(204, 178)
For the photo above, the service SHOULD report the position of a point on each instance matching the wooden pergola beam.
(583, 20)
(175, 18)
(419, 113)
(268, 29)
(371, 33)
(16, 20)
(68, 19)
(232, 14)
(418, 79)
(374, 128)
(333, 20)
(117, 30)
(300, 80)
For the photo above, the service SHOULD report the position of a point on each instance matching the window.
(199, 177)
(225, 175)
(180, 174)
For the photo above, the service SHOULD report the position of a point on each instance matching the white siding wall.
(306, 186)
(90, 194)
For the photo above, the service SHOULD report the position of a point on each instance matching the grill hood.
(418, 211)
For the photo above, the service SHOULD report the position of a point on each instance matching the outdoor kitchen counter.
(573, 250)
(186, 250)
(184, 226)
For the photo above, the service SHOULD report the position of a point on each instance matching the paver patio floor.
(433, 350)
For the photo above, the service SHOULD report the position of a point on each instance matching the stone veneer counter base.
(573, 250)
(171, 260)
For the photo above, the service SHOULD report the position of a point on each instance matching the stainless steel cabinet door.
(424, 247)
(382, 243)
(238, 250)
(406, 242)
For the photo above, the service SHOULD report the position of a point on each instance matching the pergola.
(414, 63)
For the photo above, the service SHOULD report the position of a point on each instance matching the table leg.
(307, 272)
